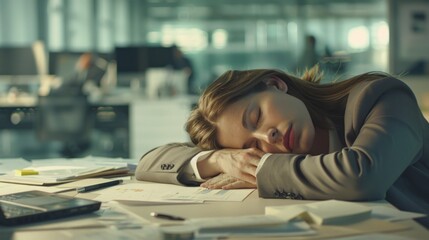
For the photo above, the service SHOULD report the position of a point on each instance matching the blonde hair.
(323, 101)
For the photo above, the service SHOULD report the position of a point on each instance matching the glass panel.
(19, 18)
(56, 24)
(80, 25)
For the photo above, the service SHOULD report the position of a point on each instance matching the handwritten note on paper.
(168, 193)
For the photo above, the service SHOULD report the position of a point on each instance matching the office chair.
(65, 118)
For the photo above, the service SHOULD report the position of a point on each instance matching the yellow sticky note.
(24, 172)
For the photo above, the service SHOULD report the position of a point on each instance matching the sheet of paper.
(89, 161)
(281, 230)
(323, 212)
(66, 172)
(249, 226)
(393, 214)
(30, 180)
(9, 188)
(375, 236)
(168, 193)
(236, 221)
(236, 195)
(8, 165)
(112, 234)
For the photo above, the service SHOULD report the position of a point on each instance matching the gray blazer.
(385, 155)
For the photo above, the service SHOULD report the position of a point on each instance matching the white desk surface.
(251, 205)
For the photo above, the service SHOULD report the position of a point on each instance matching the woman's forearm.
(208, 167)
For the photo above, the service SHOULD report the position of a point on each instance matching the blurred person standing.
(181, 62)
(310, 56)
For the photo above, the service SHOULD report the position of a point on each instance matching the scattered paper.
(323, 212)
(393, 214)
(376, 236)
(281, 230)
(60, 170)
(339, 212)
(8, 165)
(9, 188)
(235, 221)
(113, 234)
(249, 226)
(158, 192)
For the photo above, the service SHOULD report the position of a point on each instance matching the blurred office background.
(349, 37)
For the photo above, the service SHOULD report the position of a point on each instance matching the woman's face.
(272, 121)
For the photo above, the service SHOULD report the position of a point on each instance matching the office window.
(104, 29)
(55, 25)
(358, 37)
(18, 22)
(380, 35)
(122, 23)
(84, 25)
(81, 27)
(219, 38)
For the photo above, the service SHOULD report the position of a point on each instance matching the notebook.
(36, 206)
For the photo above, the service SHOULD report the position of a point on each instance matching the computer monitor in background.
(22, 66)
(17, 61)
(133, 61)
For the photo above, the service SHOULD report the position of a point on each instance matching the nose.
(271, 136)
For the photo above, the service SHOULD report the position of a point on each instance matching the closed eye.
(257, 145)
(258, 118)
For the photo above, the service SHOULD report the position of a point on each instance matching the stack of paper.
(338, 212)
(56, 171)
(324, 212)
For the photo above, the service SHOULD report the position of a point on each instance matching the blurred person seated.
(64, 112)
(87, 79)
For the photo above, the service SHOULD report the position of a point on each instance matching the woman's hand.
(224, 181)
(238, 163)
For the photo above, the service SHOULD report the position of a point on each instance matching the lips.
(288, 139)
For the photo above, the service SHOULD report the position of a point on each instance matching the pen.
(166, 216)
(98, 186)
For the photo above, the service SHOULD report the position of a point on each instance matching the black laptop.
(35, 206)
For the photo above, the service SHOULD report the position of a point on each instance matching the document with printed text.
(145, 191)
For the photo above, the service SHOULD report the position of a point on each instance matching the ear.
(277, 83)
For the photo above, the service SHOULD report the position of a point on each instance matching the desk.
(251, 205)
(111, 135)
(126, 125)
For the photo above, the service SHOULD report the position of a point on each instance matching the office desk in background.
(127, 124)
(251, 205)
(110, 134)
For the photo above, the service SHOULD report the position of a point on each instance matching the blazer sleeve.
(383, 134)
(167, 164)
